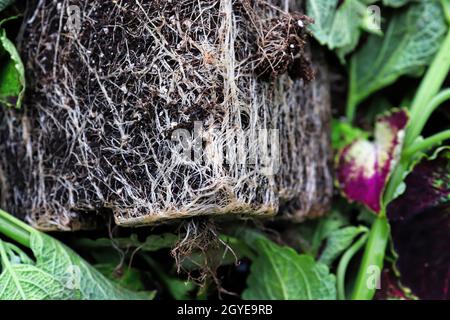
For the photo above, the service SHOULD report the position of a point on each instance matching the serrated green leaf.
(323, 13)
(338, 26)
(25, 281)
(280, 273)
(12, 74)
(345, 31)
(337, 242)
(410, 43)
(311, 234)
(81, 280)
(56, 272)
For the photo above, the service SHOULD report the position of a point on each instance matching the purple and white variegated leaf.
(364, 166)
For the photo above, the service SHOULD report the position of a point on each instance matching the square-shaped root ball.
(156, 110)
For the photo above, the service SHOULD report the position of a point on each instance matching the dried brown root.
(200, 244)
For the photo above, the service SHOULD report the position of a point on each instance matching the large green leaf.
(410, 42)
(26, 281)
(81, 279)
(12, 74)
(281, 273)
(56, 273)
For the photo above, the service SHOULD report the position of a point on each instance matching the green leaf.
(309, 235)
(326, 226)
(345, 31)
(338, 27)
(179, 289)
(337, 242)
(410, 43)
(25, 281)
(12, 74)
(5, 3)
(395, 3)
(281, 273)
(81, 280)
(151, 243)
(56, 272)
(323, 12)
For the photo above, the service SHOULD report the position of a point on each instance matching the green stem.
(431, 83)
(446, 5)
(418, 122)
(15, 229)
(395, 180)
(351, 101)
(373, 257)
(343, 263)
(427, 143)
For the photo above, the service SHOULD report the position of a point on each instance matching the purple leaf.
(420, 222)
(391, 288)
(364, 166)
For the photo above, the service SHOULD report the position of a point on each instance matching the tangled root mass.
(104, 101)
